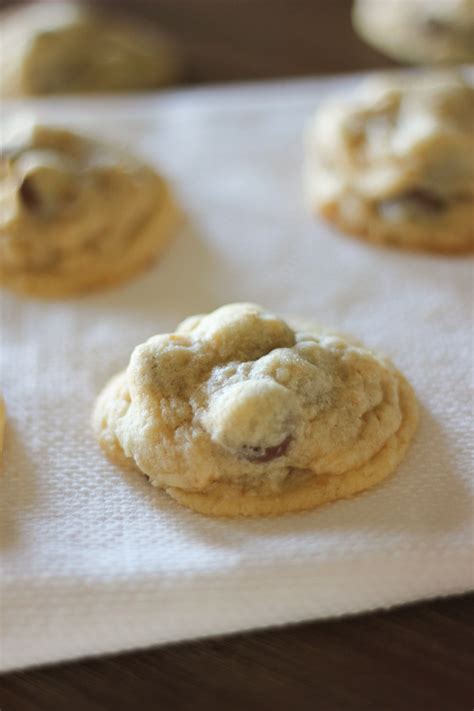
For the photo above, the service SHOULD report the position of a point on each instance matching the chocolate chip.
(28, 194)
(426, 199)
(418, 202)
(45, 188)
(260, 454)
(435, 27)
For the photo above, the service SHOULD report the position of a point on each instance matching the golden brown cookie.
(70, 47)
(237, 413)
(393, 164)
(419, 31)
(77, 214)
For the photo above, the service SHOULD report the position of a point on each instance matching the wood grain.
(419, 657)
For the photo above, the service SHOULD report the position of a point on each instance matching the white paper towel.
(93, 559)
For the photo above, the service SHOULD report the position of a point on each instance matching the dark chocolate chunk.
(415, 203)
(426, 199)
(436, 27)
(259, 454)
(28, 194)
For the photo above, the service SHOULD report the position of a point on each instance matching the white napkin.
(95, 560)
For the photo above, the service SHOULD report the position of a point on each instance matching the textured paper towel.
(95, 560)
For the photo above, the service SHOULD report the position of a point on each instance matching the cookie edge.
(227, 501)
(320, 489)
(164, 224)
(378, 233)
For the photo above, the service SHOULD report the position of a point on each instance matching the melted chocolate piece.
(28, 195)
(433, 26)
(425, 199)
(260, 455)
(418, 202)
(40, 201)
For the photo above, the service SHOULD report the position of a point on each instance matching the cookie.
(393, 164)
(419, 31)
(68, 47)
(76, 214)
(239, 413)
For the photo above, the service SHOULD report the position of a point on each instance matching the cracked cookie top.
(403, 145)
(240, 396)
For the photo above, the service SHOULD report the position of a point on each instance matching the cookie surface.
(238, 413)
(67, 47)
(76, 214)
(419, 31)
(393, 164)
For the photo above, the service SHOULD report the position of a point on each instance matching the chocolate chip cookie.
(239, 413)
(393, 163)
(76, 214)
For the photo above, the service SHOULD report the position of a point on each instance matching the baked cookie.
(394, 163)
(239, 413)
(76, 214)
(419, 31)
(68, 47)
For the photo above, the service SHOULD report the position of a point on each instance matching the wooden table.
(419, 657)
(227, 40)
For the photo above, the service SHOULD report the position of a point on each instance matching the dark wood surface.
(226, 40)
(254, 39)
(420, 657)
